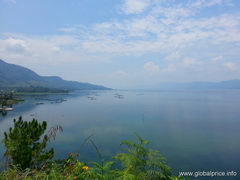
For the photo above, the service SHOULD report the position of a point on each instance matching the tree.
(6, 98)
(24, 145)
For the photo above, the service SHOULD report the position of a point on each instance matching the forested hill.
(15, 76)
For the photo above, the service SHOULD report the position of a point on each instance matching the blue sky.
(123, 43)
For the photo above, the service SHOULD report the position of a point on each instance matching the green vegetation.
(29, 159)
(38, 89)
(24, 146)
(8, 99)
(21, 79)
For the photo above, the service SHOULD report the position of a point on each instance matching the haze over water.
(195, 130)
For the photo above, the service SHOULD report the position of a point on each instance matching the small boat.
(119, 96)
(39, 103)
(91, 98)
(6, 109)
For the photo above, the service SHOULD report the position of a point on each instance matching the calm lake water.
(195, 130)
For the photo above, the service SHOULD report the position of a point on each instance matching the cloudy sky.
(123, 43)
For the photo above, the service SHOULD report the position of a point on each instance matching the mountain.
(15, 76)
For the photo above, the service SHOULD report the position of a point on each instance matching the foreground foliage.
(30, 159)
(23, 145)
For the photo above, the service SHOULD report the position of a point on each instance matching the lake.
(194, 130)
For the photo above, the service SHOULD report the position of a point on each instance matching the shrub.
(139, 162)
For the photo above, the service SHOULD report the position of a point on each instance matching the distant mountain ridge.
(15, 76)
(228, 84)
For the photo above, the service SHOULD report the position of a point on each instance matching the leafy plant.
(24, 145)
(104, 171)
(139, 162)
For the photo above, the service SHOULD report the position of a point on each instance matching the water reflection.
(3, 114)
(194, 130)
(31, 101)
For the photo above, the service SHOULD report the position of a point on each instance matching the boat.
(91, 98)
(6, 109)
(39, 103)
(119, 96)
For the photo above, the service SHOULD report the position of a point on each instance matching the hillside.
(15, 76)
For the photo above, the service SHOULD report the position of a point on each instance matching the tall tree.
(25, 145)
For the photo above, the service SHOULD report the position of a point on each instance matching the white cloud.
(56, 49)
(217, 59)
(173, 56)
(151, 67)
(170, 68)
(185, 41)
(209, 3)
(44, 50)
(230, 66)
(190, 62)
(161, 29)
(135, 6)
(15, 45)
(152, 33)
(184, 64)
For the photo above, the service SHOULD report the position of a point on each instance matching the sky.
(123, 43)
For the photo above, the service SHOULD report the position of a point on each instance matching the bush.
(142, 163)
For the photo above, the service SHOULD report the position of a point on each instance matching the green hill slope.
(15, 76)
